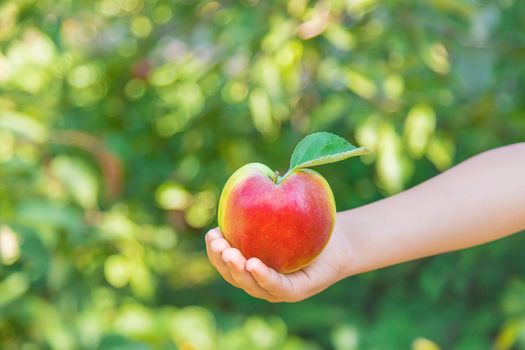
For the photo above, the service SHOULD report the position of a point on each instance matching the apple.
(284, 221)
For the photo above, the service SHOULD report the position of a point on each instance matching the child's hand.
(263, 282)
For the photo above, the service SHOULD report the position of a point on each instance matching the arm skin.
(479, 200)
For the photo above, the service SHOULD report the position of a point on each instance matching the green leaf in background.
(23, 125)
(323, 148)
(79, 179)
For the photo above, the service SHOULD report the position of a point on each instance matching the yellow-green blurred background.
(120, 120)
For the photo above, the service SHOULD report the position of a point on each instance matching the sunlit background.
(120, 120)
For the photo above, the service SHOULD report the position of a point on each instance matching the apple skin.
(285, 225)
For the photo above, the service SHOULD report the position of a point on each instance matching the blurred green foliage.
(120, 120)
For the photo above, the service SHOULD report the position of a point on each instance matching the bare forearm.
(479, 200)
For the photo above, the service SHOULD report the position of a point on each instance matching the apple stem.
(275, 176)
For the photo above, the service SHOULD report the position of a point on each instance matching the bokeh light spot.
(172, 196)
(117, 270)
(141, 26)
(9, 245)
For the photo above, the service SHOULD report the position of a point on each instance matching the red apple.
(285, 222)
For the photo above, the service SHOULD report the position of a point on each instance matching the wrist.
(352, 232)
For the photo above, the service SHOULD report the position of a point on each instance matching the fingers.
(231, 265)
(212, 234)
(236, 263)
(269, 279)
(251, 275)
(215, 245)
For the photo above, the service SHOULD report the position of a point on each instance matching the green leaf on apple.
(323, 148)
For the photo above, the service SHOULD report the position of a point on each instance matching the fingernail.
(215, 247)
(213, 233)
